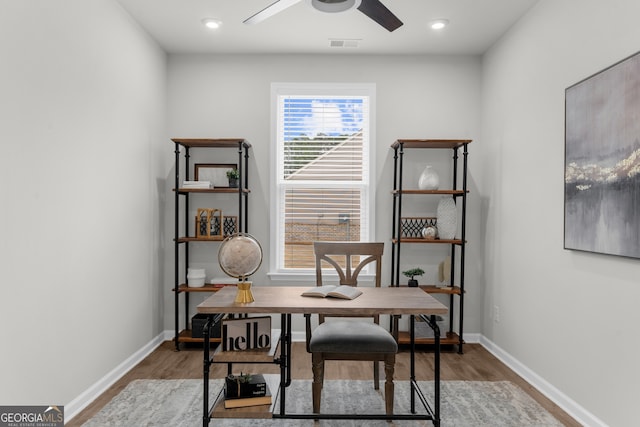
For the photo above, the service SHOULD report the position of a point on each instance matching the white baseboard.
(74, 407)
(572, 408)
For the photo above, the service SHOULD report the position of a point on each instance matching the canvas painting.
(602, 161)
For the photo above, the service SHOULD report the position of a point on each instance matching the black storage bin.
(197, 325)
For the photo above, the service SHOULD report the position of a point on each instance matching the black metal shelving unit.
(181, 212)
(456, 246)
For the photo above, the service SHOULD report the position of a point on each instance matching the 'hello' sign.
(251, 333)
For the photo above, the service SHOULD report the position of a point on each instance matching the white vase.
(429, 179)
(447, 218)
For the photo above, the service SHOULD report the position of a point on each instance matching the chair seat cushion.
(345, 336)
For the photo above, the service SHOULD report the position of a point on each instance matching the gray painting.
(602, 162)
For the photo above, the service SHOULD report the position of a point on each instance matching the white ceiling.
(474, 26)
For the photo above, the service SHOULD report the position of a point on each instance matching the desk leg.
(436, 379)
(285, 359)
(206, 364)
(205, 373)
(412, 361)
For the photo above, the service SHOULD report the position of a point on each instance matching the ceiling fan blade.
(375, 10)
(270, 10)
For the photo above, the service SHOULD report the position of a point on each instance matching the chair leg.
(389, 363)
(317, 365)
(376, 375)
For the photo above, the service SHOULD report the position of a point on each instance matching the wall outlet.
(496, 314)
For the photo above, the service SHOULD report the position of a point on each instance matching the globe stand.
(244, 294)
(240, 255)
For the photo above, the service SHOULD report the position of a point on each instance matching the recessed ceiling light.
(211, 23)
(438, 24)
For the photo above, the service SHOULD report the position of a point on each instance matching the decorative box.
(197, 326)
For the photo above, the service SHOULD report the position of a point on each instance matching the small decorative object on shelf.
(205, 221)
(429, 179)
(196, 277)
(447, 218)
(430, 232)
(413, 227)
(240, 256)
(196, 184)
(444, 272)
(233, 176)
(229, 228)
(413, 283)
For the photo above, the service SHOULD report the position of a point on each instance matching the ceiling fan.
(374, 9)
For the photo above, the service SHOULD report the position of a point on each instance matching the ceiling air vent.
(344, 42)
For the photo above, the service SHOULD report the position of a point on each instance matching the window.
(322, 170)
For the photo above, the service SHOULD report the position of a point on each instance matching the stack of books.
(240, 393)
(196, 184)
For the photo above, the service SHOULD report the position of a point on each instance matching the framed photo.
(214, 172)
(602, 161)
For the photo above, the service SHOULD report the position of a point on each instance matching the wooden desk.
(287, 300)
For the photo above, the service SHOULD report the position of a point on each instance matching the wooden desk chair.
(349, 339)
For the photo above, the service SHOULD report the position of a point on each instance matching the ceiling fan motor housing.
(333, 6)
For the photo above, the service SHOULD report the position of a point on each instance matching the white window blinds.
(323, 173)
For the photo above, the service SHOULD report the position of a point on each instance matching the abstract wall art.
(602, 161)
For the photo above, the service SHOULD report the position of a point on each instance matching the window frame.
(336, 90)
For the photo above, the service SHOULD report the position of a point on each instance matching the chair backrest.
(348, 259)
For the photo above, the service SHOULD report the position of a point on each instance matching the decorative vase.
(429, 179)
(447, 218)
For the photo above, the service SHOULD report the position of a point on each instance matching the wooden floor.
(476, 364)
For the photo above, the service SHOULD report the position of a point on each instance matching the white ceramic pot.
(196, 277)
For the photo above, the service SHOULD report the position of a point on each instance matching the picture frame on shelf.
(216, 173)
(602, 161)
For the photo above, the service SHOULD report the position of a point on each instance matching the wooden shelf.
(185, 336)
(260, 411)
(430, 143)
(441, 192)
(202, 239)
(206, 288)
(228, 190)
(211, 142)
(432, 289)
(433, 241)
(451, 339)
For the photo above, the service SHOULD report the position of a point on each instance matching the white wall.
(417, 97)
(568, 316)
(82, 111)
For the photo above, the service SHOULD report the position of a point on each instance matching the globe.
(240, 255)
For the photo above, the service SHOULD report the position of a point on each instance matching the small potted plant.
(233, 176)
(411, 275)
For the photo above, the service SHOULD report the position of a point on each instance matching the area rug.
(178, 403)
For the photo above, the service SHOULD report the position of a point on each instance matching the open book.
(343, 291)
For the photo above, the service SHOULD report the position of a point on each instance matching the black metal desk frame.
(284, 361)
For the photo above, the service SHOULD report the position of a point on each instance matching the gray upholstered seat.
(355, 338)
(351, 337)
